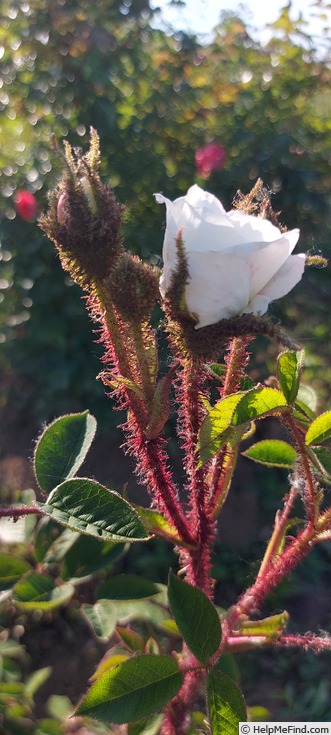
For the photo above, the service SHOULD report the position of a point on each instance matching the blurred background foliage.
(157, 97)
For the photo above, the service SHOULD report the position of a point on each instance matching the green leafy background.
(155, 98)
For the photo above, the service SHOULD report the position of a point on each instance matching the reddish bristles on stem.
(236, 361)
(308, 641)
(223, 465)
(202, 524)
(121, 357)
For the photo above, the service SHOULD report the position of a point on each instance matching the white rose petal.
(237, 263)
(225, 280)
(282, 282)
(253, 229)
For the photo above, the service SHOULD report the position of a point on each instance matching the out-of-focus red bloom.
(209, 158)
(26, 205)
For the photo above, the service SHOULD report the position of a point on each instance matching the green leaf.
(10, 687)
(324, 458)
(46, 726)
(272, 452)
(228, 665)
(270, 627)
(225, 703)
(133, 690)
(88, 555)
(320, 458)
(61, 546)
(62, 448)
(146, 727)
(215, 428)
(145, 609)
(127, 587)
(320, 430)
(109, 663)
(102, 618)
(11, 570)
(38, 592)
(116, 381)
(218, 372)
(289, 369)
(302, 414)
(308, 397)
(258, 713)
(196, 617)
(88, 507)
(170, 627)
(256, 404)
(304, 406)
(59, 706)
(36, 680)
(11, 649)
(155, 523)
(47, 532)
(130, 638)
(237, 410)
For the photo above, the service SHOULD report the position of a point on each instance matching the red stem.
(121, 353)
(152, 465)
(236, 362)
(290, 557)
(15, 512)
(278, 534)
(202, 525)
(308, 641)
(176, 720)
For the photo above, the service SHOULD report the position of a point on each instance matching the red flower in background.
(26, 205)
(209, 158)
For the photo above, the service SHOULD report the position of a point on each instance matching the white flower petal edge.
(237, 263)
(265, 263)
(282, 282)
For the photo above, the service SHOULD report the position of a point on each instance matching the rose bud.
(237, 263)
(84, 219)
(26, 205)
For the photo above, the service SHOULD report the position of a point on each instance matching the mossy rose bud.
(237, 263)
(84, 219)
(133, 287)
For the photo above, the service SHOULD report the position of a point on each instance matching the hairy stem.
(201, 521)
(308, 641)
(148, 384)
(274, 546)
(176, 720)
(124, 357)
(154, 471)
(15, 512)
(224, 463)
(255, 595)
(236, 362)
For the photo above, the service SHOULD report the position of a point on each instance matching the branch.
(308, 641)
(18, 511)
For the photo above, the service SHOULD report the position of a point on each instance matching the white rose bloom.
(237, 263)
